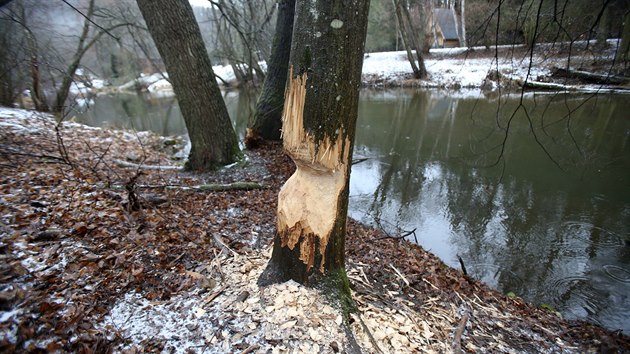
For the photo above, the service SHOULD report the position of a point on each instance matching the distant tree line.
(504, 22)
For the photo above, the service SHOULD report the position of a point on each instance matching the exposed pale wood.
(307, 202)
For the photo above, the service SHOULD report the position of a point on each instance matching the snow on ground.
(447, 71)
(444, 70)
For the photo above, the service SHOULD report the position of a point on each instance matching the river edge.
(85, 269)
(579, 67)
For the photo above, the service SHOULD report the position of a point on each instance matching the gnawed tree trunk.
(318, 127)
(267, 120)
(177, 37)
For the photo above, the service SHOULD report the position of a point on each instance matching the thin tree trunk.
(37, 93)
(177, 37)
(319, 121)
(461, 12)
(268, 118)
(410, 40)
(623, 52)
(68, 78)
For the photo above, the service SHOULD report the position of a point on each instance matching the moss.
(336, 286)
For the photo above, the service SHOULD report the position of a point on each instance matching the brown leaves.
(69, 251)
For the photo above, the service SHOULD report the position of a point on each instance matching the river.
(531, 191)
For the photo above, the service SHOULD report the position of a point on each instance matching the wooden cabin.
(443, 28)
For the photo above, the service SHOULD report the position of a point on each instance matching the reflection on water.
(161, 114)
(542, 210)
(545, 215)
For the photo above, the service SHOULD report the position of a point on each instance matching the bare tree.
(241, 32)
(411, 35)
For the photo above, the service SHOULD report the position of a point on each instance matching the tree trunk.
(178, 39)
(318, 127)
(32, 50)
(68, 78)
(461, 14)
(268, 118)
(410, 36)
(623, 53)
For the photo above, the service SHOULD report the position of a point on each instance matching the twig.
(222, 244)
(400, 275)
(401, 236)
(457, 340)
(88, 18)
(369, 334)
(357, 161)
(213, 296)
(461, 263)
(251, 349)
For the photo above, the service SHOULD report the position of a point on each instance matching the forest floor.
(101, 254)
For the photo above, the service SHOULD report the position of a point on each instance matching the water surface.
(532, 192)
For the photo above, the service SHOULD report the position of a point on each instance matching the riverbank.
(88, 265)
(573, 67)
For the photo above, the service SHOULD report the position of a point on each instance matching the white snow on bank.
(449, 72)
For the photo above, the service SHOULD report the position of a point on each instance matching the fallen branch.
(214, 187)
(229, 186)
(123, 163)
(213, 296)
(547, 86)
(459, 331)
(219, 242)
(537, 85)
(590, 77)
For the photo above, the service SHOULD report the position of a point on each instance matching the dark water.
(533, 194)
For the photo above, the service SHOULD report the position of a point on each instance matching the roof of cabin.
(445, 18)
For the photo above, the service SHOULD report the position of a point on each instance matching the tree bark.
(268, 118)
(461, 12)
(37, 93)
(318, 127)
(623, 52)
(410, 36)
(68, 78)
(178, 39)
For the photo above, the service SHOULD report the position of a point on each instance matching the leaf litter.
(83, 269)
